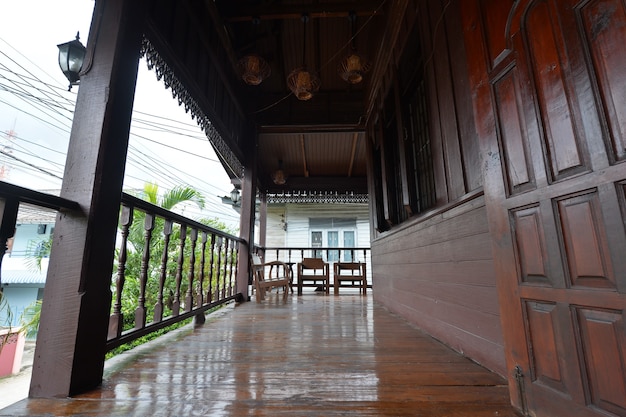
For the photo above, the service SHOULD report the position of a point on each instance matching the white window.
(333, 233)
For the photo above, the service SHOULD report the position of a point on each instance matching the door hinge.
(518, 374)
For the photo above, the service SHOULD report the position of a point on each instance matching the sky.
(166, 146)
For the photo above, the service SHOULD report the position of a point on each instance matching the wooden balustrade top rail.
(132, 201)
(10, 192)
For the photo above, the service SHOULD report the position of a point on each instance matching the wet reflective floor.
(313, 355)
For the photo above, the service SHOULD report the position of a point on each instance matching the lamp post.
(71, 57)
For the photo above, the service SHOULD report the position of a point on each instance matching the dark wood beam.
(325, 108)
(297, 129)
(315, 11)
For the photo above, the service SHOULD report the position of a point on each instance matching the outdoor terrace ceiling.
(319, 162)
(320, 141)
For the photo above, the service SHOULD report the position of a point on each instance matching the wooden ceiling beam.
(315, 11)
(298, 129)
(355, 138)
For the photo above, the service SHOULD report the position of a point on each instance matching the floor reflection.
(313, 355)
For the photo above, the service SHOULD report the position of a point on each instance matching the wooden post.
(262, 219)
(246, 226)
(69, 357)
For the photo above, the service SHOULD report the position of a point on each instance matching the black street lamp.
(71, 57)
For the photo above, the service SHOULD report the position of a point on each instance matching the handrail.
(169, 268)
(28, 196)
(11, 196)
(155, 282)
(131, 200)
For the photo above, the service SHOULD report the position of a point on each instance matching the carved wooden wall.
(549, 99)
(433, 263)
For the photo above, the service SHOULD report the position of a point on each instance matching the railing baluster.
(116, 321)
(235, 263)
(192, 265)
(140, 311)
(200, 300)
(158, 307)
(225, 275)
(211, 269)
(179, 270)
(218, 267)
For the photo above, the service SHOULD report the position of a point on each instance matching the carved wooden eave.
(164, 73)
(190, 59)
(317, 198)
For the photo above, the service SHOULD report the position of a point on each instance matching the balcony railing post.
(218, 267)
(141, 311)
(211, 269)
(200, 292)
(159, 307)
(225, 271)
(192, 263)
(179, 270)
(116, 321)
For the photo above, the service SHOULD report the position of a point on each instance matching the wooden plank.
(338, 356)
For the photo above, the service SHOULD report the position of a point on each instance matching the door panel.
(584, 237)
(604, 340)
(557, 105)
(605, 33)
(560, 106)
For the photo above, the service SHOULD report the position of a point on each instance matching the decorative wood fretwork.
(164, 72)
(330, 198)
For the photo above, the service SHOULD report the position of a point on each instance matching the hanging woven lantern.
(303, 83)
(253, 69)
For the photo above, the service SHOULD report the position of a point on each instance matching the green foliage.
(36, 251)
(30, 319)
(136, 249)
(6, 315)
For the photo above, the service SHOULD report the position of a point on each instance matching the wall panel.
(438, 273)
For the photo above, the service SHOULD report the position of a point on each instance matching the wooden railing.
(293, 255)
(169, 268)
(11, 197)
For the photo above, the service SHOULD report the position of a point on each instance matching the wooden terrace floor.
(314, 355)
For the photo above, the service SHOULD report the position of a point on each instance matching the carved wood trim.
(165, 73)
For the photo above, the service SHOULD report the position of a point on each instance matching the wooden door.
(560, 111)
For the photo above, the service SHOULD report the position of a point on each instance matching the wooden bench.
(274, 274)
(352, 272)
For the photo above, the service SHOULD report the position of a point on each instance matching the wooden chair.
(352, 272)
(315, 270)
(270, 275)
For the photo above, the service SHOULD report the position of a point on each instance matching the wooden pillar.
(69, 357)
(262, 219)
(246, 225)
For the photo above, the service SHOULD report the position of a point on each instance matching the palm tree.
(177, 195)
